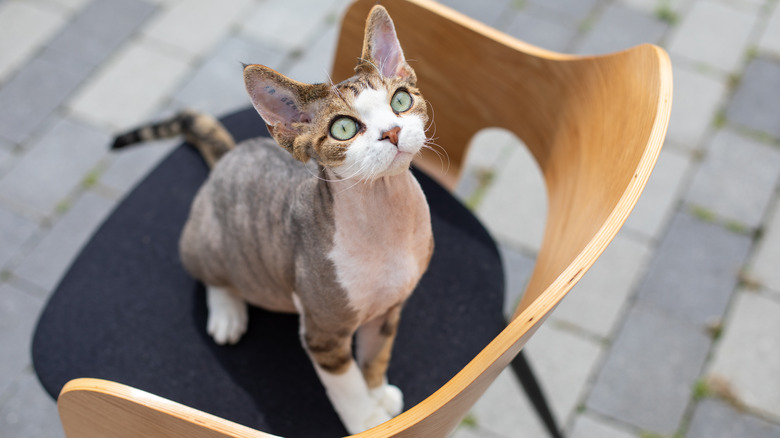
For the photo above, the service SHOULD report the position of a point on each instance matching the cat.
(332, 225)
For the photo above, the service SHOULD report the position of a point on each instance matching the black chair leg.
(523, 371)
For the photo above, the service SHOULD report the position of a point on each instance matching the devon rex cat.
(341, 240)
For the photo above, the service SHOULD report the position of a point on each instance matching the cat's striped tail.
(204, 132)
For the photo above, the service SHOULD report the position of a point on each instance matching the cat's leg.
(374, 347)
(331, 354)
(228, 315)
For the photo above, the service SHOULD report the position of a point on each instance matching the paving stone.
(504, 410)
(716, 419)
(770, 40)
(541, 31)
(652, 6)
(217, 86)
(763, 266)
(32, 95)
(28, 412)
(660, 195)
(753, 105)
(747, 355)
(15, 230)
(485, 151)
(100, 28)
(514, 207)
(130, 87)
(517, 271)
(714, 33)
(130, 165)
(695, 270)
(564, 364)
(288, 24)
(195, 27)
(73, 5)
(596, 302)
(647, 377)
(620, 28)
(54, 166)
(18, 314)
(573, 9)
(697, 97)
(736, 179)
(317, 62)
(49, 260)
(586, 426)
(24, 28)
(488, 12)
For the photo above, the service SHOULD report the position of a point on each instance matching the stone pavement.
(675, 332)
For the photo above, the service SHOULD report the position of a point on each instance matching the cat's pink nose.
(391, 135)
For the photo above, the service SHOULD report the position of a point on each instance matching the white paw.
(228, 316)
(377, 417)
(390, 398)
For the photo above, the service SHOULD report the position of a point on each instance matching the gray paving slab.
(754, 105)
(661, 194)
(596, 303)
(35, 92)
(564, 364)
(49, 260)
(695, 270)
(770, 39)
(18, 315)
(217, 86)
(620, 28)
(647, 377)
(575, 10)
(55, 165)
(736, 179)
(488, 12)
(716, 419)
(502, 397)
(587, 426)
(540, 30)
(765, 260)
(714, 33)
(287, 24)
(697, 98)
(24, 28)
(100, 28)
(746, 356)
(26, 411)
(15, 231)
(517, 271)
(316, 63)
(194, 27)
(514, 207)
(128, 166)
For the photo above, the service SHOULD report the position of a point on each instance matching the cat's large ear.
(284, 104)
(381, 48)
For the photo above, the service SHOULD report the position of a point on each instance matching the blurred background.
(675, 332)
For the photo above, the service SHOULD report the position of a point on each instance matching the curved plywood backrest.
(595, 125)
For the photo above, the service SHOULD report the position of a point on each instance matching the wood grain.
(595, 126)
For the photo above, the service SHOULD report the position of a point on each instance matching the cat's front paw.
(228, 317)
(390, 398)
(374, 417)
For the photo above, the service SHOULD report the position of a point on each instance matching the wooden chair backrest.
(595, 126)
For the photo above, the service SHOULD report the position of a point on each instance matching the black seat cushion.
(127, 311)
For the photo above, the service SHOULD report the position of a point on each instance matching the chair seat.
(127, 311)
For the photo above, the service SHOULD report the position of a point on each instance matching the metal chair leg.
(523, 371)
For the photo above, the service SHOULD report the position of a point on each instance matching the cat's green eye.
(344, 128)
(401, 101)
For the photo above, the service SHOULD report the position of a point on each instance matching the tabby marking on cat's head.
(368, 126)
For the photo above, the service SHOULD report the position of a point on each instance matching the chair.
(595, 126)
